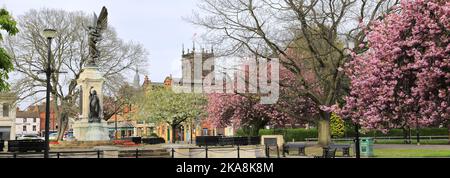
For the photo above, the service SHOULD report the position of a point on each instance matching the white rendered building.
(27, 123)
(7, 116)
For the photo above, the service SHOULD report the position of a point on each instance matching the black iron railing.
(224, 141)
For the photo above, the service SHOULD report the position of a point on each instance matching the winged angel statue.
(99, 25)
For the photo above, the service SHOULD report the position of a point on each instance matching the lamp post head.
(49, 33)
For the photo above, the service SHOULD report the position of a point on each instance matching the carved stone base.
(84, 131)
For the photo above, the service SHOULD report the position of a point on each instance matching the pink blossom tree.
(403, 79)
(245, 110)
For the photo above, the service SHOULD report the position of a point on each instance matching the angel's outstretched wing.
(102, 22)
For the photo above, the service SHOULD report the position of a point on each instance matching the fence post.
(206, 150)
(137, 152)
(238, 154)
(98, 153)
(57, 155)
(267, 151)
(278, 151)
(15, 155)
(173, 153)
(284, 151)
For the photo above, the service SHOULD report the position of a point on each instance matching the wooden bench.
(327, 153)
(300, 146)
(345, 148)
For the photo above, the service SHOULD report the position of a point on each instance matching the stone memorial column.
(90, 79)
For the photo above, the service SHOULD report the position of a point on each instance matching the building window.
(24, 120)
(34, 120)
(34, 128)
(24, 128)
(5, 110)
(205, 132)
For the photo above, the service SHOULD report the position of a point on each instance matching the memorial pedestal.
(84, 131)
(90, 79)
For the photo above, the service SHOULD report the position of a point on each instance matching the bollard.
(57, 155)
(98, 153)
(137, 153)
(278, 151)
(173, 153)
(238, 154)
(206, 151)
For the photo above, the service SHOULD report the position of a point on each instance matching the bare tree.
(70, 53)
(311, 37)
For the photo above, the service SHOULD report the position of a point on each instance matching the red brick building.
(41, 110)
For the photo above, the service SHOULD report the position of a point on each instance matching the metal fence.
(59, 154)
(223, 141)
(136, 153)
(237, 150)
(445, 137)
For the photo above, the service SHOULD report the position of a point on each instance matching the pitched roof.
(27, 114)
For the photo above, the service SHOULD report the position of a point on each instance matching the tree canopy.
(8, 24)
(28, 51)
(404, 77)
(163, 106)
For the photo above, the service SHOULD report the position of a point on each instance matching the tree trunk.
(448, 126)
(63, 123)
(324, 132)
(405, 135)
(174, 133)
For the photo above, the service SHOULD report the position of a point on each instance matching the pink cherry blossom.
(404, 77)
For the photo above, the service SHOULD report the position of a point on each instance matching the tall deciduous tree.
(118, 101)
(8, 24)
(70, 53)
(245, 110)
(269, 27)
(404, 77)
(163, 106)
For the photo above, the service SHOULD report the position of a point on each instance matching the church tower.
(190, 56)
(137, 80)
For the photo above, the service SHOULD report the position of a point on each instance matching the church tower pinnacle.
(137, 80)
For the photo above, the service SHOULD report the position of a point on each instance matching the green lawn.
(414, 142)
(423, 142)
(387, 153)
(411, 153)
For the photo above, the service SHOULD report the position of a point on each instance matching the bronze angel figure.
(100, 24)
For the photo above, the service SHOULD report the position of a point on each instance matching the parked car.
(29, 137)
(53, 136)
(69, 137)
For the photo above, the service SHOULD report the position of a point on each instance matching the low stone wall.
(221, 152)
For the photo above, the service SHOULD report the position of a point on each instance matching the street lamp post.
(49, 34)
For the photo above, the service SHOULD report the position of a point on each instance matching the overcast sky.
(157, 24)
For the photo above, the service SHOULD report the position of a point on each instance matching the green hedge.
(399, 132)
(301, 134)
(290, 134)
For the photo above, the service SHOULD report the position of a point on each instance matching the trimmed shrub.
(337, 126)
